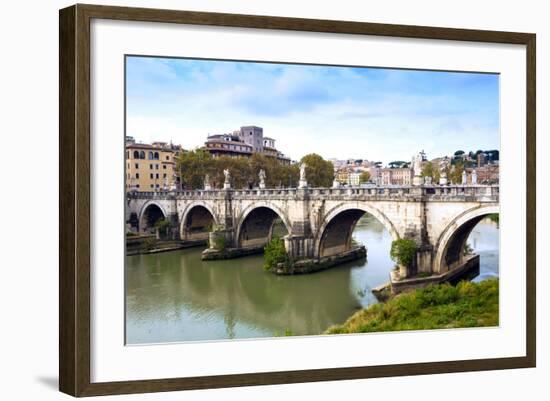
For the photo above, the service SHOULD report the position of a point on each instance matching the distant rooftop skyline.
(337, 112)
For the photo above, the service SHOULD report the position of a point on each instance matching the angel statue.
(303, 171)
(227, 175)
(261, 175)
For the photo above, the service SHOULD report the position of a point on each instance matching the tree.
(364, 177)
(456, 173)
(319, 172)
(397, 164)
(403, 251)
(459, 153)
(193, 166)
(274, 253)
(429, 170)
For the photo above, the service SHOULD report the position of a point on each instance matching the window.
(137, 165)
(152, 186)
(164, 166)
(127, 154)
(136, 154)
(128, 166)
(157, 166)
(157, 176)
(158, 185)
(137, 185)
(151, 175)
(150, 155)
(137, 175)
(156, 156)
(164, 175)
(142, 155)
(167, 157)
(150, 166)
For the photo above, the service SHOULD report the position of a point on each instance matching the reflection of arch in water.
(450, 244)
(150, 213)
(256, 223)
(197, 221)
(335, 234)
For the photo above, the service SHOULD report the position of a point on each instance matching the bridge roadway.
(320, 221)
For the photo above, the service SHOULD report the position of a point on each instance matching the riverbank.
(440, 306)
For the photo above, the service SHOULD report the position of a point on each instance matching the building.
(228, 145)
(151, 167)
(244, 143)
(487, 174)
(395, 176)
(481, 159)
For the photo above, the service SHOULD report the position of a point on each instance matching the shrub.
(149, 243)
(274, 253)
(162, 225)
(403, 251)
(440, 306)
(220, 242)
(495, 218)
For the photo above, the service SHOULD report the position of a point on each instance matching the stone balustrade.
(488, 193)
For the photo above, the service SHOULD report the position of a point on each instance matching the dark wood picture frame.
(74, 199)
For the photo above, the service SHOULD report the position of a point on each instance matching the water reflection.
(175, 296)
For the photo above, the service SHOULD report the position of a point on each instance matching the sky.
(338, 112)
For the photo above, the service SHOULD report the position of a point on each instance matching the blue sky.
(341, 112)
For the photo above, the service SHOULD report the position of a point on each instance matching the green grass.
(434, 307)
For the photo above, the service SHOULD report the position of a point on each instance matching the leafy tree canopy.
(319, 172)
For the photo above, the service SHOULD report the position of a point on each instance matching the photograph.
(270, 199)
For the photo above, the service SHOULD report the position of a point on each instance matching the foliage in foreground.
(435, 307)
(274, 253)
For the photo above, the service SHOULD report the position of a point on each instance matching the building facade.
(244, 143)
(395, 176)
(487, 174)
(151, 167)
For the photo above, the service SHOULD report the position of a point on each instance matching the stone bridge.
(320, 221)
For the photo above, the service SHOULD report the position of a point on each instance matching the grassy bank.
(435, 307)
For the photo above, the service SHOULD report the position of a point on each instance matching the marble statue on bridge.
(303, 181)
(227, 182)
(261, 175)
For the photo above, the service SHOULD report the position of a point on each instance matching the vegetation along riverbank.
(441, 306)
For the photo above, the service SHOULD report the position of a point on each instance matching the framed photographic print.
(250, 200)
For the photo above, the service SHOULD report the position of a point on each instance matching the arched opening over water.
(259, 225)
(451, 245)
(150, 215)
(473, 233)
(336, 234)
(197, 223)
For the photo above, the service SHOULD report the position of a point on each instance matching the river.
(174, 296)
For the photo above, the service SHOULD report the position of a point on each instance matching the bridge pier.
(298, 246)
(320, 221)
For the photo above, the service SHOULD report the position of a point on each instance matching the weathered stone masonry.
(320, 221)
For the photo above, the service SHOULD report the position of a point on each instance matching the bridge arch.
(450, 244)
(195, 220)
(255, 224)
(149, 214)
(339, 223)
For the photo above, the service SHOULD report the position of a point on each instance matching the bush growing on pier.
(434, 307)
(220, 242)
(149, 244)
(274, 253)
(162, 225)
(403, 251)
